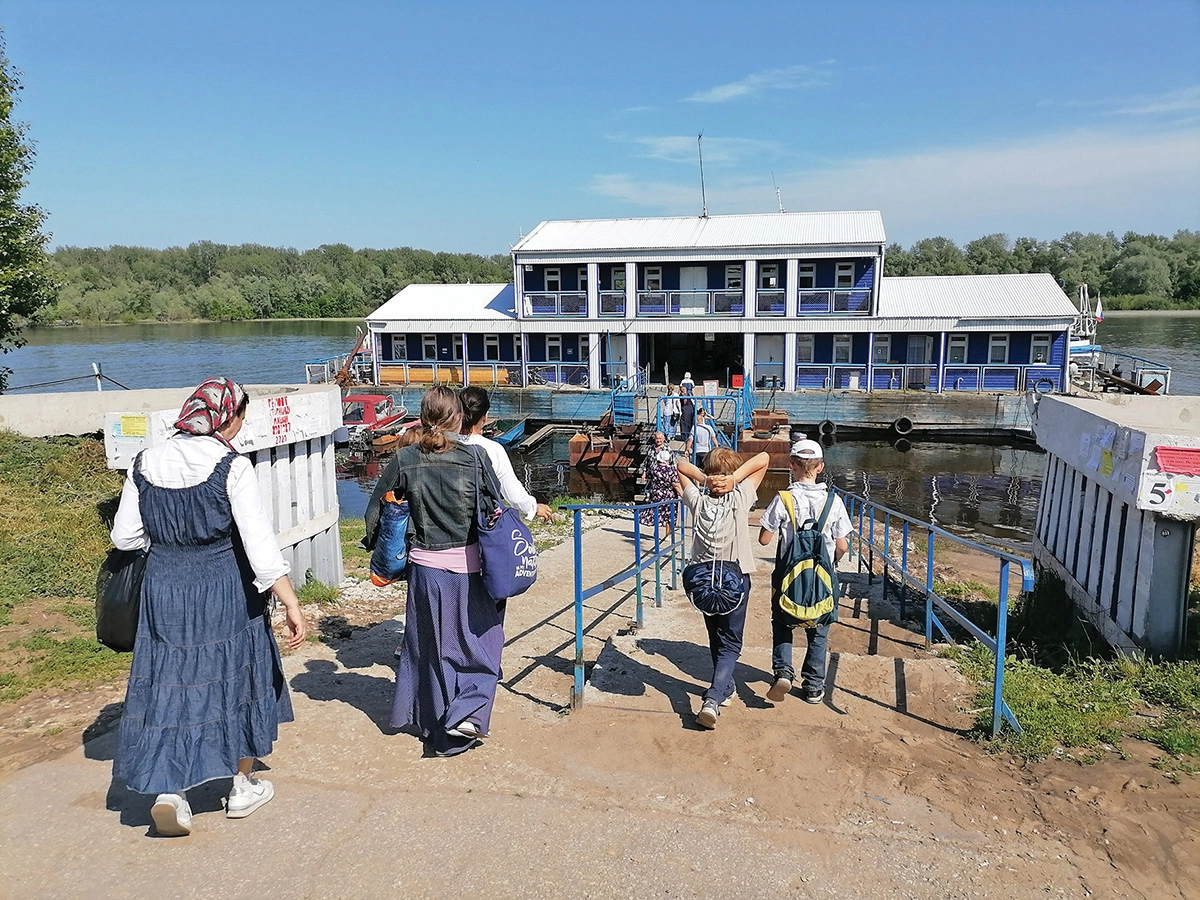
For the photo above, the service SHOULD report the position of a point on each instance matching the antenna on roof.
(700, 151)
(778, 196)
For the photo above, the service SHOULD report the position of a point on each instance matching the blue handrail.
(865, 510)
(641, 561)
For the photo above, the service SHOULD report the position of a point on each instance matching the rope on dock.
(26, 387)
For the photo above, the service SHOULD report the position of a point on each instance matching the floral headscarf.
(210, 407)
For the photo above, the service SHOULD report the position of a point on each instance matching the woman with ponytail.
(453, 631)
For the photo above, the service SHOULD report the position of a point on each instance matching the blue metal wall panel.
(1058, 349)
(859, 349)
(823, 348)
(977, 349)
(1019, 347)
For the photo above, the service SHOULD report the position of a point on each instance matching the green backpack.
(804, 583)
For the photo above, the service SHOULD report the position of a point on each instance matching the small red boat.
(370, 416)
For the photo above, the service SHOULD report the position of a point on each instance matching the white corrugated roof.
(449, 301)
(804, 229)
(974, 297)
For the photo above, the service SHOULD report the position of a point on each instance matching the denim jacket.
(440, 490)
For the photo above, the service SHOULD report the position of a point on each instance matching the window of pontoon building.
(654, 278)
(582, 278)
(733, 277)
(883, 349)
(584, 352)
(491, 347)
(458, 347)
(518, 347)
(804, 348)
(554, 348)
(845, 275)
(998, 349)
(841, 348)
(618, 278)
(399, 346)
(768, 277)
(808, 276)
(553, 279)
(956, 350)
(1039, 349)
(429, 346)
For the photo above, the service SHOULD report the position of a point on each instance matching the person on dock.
(670, 413)
(703, 438)
(206, 690)
(809, 499)
(687, 385)
(722, 532)
(454, 630)
(661, 481)
(475, 406)
(687, 416)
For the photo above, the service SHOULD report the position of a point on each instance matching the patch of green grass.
(81, 613)
(1178, 735)
(1082, 707)
(965, 590)
(316, 592)
(353, 531)
(51, 662)
(57, 498)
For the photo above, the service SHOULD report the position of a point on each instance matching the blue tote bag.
(507, 557)
(390, 557)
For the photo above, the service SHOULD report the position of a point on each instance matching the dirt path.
(873, 794)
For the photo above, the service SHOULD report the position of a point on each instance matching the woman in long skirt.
(661, 481)
(453, 630)
(206, 692)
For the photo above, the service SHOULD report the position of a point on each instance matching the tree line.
(206, 280)
(1137, 271)
(214, 281)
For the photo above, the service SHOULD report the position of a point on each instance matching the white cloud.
(682, 148)
(1085, 180)
(1181, 100)
(788, 78)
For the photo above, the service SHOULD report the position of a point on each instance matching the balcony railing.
(691, 303)
(815, 302)
(612, 303)
(557, 303)
(770, 303)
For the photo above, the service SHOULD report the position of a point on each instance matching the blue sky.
(459, 126)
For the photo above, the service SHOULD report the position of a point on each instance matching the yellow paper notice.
(133, 426)
(1106, 462)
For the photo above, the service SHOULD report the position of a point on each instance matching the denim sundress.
(206, 686)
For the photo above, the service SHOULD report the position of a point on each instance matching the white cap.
(687, 376)
(806, 450)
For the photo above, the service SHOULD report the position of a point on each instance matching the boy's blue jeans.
(725, 645)
(812, 672)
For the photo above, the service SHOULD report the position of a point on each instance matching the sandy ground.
(874, 793)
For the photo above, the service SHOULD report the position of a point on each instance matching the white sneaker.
(466, 729)
(172, 816)
(248, 794)
(780, 689)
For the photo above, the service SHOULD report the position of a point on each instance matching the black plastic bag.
(119, 597)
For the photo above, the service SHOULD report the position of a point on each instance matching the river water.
(975, 489)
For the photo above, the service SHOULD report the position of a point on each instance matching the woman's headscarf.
(210, 407)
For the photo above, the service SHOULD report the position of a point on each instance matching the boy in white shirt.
(807, 462)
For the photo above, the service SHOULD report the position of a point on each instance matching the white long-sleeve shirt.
(514, 492)
(185, 461)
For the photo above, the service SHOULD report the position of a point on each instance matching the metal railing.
(643, 558)
(770, 303)
(322, 371)
(814, 301)
(691, 303)
(572, 304)
(733, 408)
(872, 522)
(1136, 369)
(927, 378)
(612, 303)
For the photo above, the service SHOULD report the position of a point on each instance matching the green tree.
(26, 280)
(991, 255)
(897, 261)
(938, 256)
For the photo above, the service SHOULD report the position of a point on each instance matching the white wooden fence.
(289, 438)
(1118, 511)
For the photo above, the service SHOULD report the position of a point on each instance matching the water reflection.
(976, 490)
